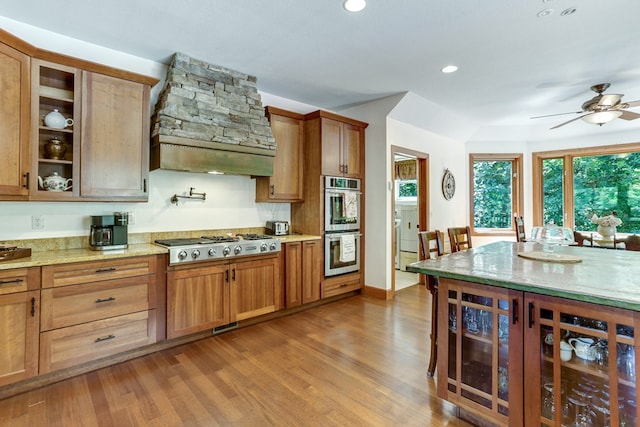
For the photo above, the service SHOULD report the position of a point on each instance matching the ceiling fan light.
(602, 117)
(354, 5)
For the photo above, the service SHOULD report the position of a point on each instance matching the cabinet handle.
(514, 311)
(273, 190)
(99, 300)
(5, 282)
(531, 314)
(344, 285)
(226, 275)
(33, 307)
(144, 185)
(108, 337)
(233, 275)
(105, 270)
(26, 180)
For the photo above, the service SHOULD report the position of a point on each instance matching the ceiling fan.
(602, 108)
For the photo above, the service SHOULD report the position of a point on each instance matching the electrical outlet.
(131, 218)
(37, 222)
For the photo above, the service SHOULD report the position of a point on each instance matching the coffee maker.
(108, 231)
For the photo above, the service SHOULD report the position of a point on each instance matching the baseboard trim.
(385, 294)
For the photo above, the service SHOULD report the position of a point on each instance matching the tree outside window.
(496, 192)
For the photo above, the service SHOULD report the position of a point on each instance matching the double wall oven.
(341, 225)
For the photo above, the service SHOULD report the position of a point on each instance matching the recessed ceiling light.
(545, 12)
(569, 11)
(449, 69)
(354, 5)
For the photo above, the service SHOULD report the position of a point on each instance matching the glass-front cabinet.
(514, 358)
(479, 344)
(581, 358)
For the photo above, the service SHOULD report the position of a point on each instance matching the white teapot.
(56, 120)
(55, 182)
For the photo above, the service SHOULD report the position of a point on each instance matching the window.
(496, 192)
(407, 189)
(576, 184)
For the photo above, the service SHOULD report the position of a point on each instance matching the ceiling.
(512, 64)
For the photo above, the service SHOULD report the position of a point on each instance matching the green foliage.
(492, 205)
(408, 188)
(602, 185)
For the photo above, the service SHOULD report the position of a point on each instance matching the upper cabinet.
(115, 137)
(14, 122)
(341, 141)
(286, 183)
(71, 129)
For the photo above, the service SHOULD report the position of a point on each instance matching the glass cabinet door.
(474, 347)
(585, 356)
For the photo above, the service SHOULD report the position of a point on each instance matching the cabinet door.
(115, 138)
(352, 137)
(254, 288)
(197, 299)
(19, 319)
(311, 271)
(331, 131)
(14, 121)
(579, 358)
(293, 274)
(480, 350)
(286, 182)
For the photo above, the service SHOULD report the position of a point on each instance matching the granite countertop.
(603, 276)
(51, 251)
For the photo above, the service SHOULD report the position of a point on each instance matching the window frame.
(516, 160)
(568, 155)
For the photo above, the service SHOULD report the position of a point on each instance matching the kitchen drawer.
(19, 280)
(66, 347)
(96, 271)
(70, 305)
(330, 289)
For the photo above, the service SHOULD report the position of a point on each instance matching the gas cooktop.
(205, 248)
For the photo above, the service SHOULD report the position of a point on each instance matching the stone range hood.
(210, 119)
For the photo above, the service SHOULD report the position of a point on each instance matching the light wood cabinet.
(286, 183)
(19, 322)
(303, 273)
(14, 123)
(115, 138)
(219, 293)
(96, 309)
(341, 141)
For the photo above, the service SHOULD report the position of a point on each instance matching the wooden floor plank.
(357, 361)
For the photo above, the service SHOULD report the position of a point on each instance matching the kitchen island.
(501, 314)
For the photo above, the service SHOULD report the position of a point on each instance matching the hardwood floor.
(354, 362)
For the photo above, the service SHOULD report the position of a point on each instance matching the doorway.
(408, 212)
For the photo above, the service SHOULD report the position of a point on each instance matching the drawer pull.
(33, 307)
(99, 300)
(344, 285)
(105, 270)
(6, 282)
(107, 338)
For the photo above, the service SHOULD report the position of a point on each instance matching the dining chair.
(582, 240)
(432, 247)
(631, 243)
(520, 233)
(459, 238)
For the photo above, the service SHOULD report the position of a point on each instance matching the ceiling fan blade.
(633, 104)
(557, 114)
(572, 120)
(629, 115)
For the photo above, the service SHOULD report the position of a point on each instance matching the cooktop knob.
(182, 255)
(263, 247)
(195, 254)
(212, 252)
(237, 250)
(226, 251)
(273, 246)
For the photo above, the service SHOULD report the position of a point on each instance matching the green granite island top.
(604, 276)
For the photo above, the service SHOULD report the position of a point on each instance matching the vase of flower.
(607, 231)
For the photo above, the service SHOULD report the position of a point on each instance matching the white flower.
(606, 221)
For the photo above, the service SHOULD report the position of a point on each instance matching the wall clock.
(448, 185)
